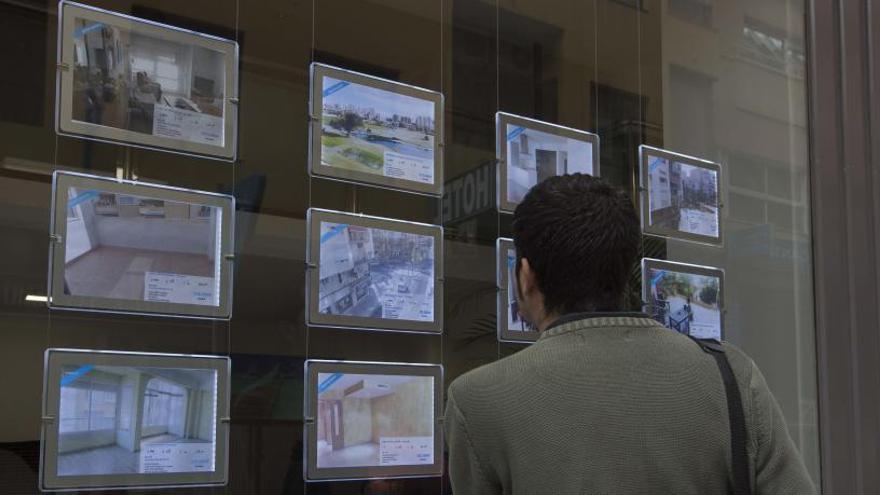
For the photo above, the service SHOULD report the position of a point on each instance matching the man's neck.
(547, 321)
(557, 319)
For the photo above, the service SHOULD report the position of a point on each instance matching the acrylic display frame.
(313, 255)
(316, 97)
(645, 153)
(310, 434)
(505, 334)
(690, 269)
(54, 358)
(66, 125)
(57, 299)
(502, 119)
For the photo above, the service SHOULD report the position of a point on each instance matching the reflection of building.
(356, 412)
(108, 414)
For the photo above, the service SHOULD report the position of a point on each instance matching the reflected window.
(87, 404)
(164, 406)
(762, 45)
(695, 11)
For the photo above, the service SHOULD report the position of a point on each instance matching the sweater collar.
(577, 321)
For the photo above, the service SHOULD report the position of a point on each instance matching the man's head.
(577, 239)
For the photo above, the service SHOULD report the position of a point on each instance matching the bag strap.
(739, 456)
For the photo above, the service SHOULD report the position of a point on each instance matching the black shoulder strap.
(742, 484)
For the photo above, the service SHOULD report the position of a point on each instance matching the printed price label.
(180, 289)
(408, 168)
(187, 125)
(183, 457)
(406, 451)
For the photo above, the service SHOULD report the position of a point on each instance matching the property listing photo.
(374, 273)
(683, 196)
(133, 80)
(511, 325)
(138, 248)
(685, 298)
(374, 420)
(116, 420)
(375, 130)
(532, 151)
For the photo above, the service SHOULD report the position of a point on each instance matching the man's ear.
(526, 281)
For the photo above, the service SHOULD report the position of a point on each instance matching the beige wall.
(405, 413)
(357, 421)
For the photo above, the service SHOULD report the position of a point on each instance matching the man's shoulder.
(740, 362)
(487, 380)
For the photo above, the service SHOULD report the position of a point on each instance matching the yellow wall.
(406, 412)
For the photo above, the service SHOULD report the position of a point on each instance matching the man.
(605, 402)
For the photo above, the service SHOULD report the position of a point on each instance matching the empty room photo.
(533, 156)
(376, 273)
(139, 248)
(129, 420)
(368, 420)
(127, 79)
(685, 302)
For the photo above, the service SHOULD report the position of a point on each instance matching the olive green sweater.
(613, 405)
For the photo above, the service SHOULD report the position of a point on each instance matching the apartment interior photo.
(120, 76)
(109, 413)
(356, 411)
(113, 241)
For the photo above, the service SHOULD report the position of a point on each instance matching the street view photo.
(131, 420)
(685, 302)
(533, 156)
(683, 197)
(379, 132)
(376, 273)
(139, 248)
(372, 420)
(127, 79)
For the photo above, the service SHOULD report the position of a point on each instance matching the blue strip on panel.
(656, 279)
(78, 33)
(655, 162)
(76, 374)
(336, 87)
(82, 198)
(323, 386)
(515, 132)
(326, 236)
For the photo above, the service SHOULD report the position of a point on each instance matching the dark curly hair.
(581, 237)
